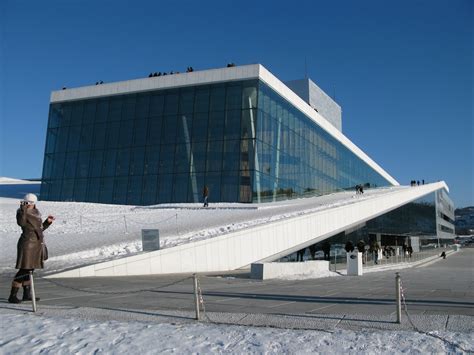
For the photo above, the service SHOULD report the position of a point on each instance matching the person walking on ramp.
(31, 250)
(205, 195)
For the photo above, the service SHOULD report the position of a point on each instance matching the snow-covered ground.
(90, 232)
(28, 333)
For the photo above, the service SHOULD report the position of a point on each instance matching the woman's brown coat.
(30, 244)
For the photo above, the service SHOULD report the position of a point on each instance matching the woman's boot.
(13, 293)
(27, 293)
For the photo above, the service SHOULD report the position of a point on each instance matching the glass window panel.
(214, 155)
(93, 186)
(85, 141)
(143, 105)
(201, 100)
(186, 101)
(61, 143)
(134, 194)
(98, 136)
(166, 159)
(55, 115)
(152, 159)
(182, 159)
(200, 123)
(106, 190)
(113, 130)
(180, 187)
(184, 129)
(108, 163)
(195, 188)
(57, 168)
(128, 108)
(47, 167)
(232, 124)
(80, 186)
(157, 103)
(140, 132)
(137, 160)
(234, 97)
(74, 137)
(70, 165)
(171, 103)
(115, 109)
(122, 162)
(120, 190)
(96, 163)
(150, 187)
(165, 186)
(55, 190)
(199, 150)
(230, 186)
(90, 107)
(102, 110)
(230, 161)
(216, 125)
(51, 140)
(168, 133)
(213, 183)
(67, 190)
(217, 98)
(66, 115)
(126, 134)
(83, 165)
(154, 130)
(249, 97)
(77, 112)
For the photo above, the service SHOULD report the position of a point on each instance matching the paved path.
(439, 296)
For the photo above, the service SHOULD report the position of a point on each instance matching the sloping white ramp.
(266, 242)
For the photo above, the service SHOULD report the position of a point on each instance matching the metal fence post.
(397, 292)
(33, 294)
(196, 296)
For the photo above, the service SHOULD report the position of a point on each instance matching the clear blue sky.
(401, 70)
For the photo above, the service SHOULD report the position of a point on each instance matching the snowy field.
(28, 333)
(89, 232)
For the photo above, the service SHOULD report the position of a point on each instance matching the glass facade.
(240, 138)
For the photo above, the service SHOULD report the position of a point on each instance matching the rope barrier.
(431, 334)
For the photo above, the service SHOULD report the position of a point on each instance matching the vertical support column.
(398, 298)
(196, 297)
(189, 151)
(277, 160)
(257, 165)
(33, 293)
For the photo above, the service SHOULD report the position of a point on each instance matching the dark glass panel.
(51, 140)
(102, 110)
(99, 134)
(47, 167)
(126, 134)
(214, 156)
(120, 190)
(137, 160)
(67, 190)
(230, 161)
(93, 189)
(196, 187)
(217, 98)
(96, 163)
(213, 182)
(113, 131)
(122, 162)
(140, 132)
(108, 163)
(152, 159)
(115, 109)
(157, 103)
(86, 137)
(80, 186)
(165, 186)
(182, 158)
(230, 186)
(201, 100)
(200, 123)
(57, 168)
(186, 101)
(134, 194)
(154, 130)
(199, 151)
(66, 115)
(142, 107)
(232, 124)
(166, 159)
(70, 165)
(128, 108)
(83, 165)
(234, 97)
(106, 189)
(90, 107)
(171, 103)
(247, 128)
(216, 125)
(180, 187)
(55, 115)
(55, 190)
(61, 143)
(168, 133)
(73, 139)
(150, 186)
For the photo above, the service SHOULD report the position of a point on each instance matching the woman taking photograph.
(31, 250)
